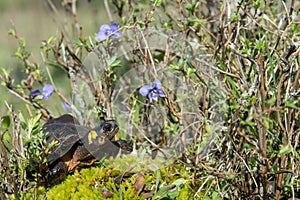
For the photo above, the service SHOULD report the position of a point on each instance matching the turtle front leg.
(125, 145)
(57, 173)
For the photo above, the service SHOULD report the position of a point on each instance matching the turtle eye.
(108, 127)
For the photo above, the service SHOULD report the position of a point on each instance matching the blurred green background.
(35, 21)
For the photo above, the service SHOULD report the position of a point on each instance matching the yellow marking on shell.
(101, 140)
(92, 135)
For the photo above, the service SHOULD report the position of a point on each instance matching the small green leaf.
(51, 40)
(11, 32)
(168, 191)
(190, 71)
(285, 150)
(5, 122)
(22, 120)
(179, 182)
(22, 42)
(33, 123)
(158, 176)
(271, 101)
(196, 20)
(229, 175)
(113, 62)
(175, 67)
(157, 2)
(291, 104)
(19, 55)
(215, 196)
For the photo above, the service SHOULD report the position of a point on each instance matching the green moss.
(41, 194)
(80, 185)
(186, 192)
(137, 164)
(88, 183)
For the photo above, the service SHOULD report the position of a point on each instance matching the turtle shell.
(64, 130)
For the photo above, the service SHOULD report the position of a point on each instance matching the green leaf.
(33, 123)
(233, 86)
(157, 2)
(229, 175)
(285, 150)
(215, 196)
(158, 176)
(267, 121)
(19, 55)
(196, 20)
(11, 32)
(22, 42)
(175, 67)
(169, 191)
(249, 121)
(179, 182)
(271, 101)
(190, 71)
(113, 62)
(291, 104)
(51, 40)
(22, 120)
(5, 122)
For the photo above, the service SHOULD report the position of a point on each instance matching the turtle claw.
(124, 145)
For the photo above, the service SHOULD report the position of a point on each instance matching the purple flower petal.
(113, 27)
(66, 106)
(116, 35)
(153, 91)
(156, 84)
(101, 36)
(104, 28)
(47, 91)
(35, 92)
(145, 90)
(161, 93)
(153, 96)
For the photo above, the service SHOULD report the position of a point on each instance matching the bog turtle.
(78, 146)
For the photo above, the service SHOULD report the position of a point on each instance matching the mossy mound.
(111, 182)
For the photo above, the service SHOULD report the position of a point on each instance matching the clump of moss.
(168, 182)
(89, 183)
(40, 194)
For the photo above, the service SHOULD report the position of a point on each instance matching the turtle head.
(108, 129)
(100, 141)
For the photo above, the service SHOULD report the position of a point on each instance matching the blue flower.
(35, 92)
(153, 91)
(108, 30)
(48, 90)
(67, 106)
